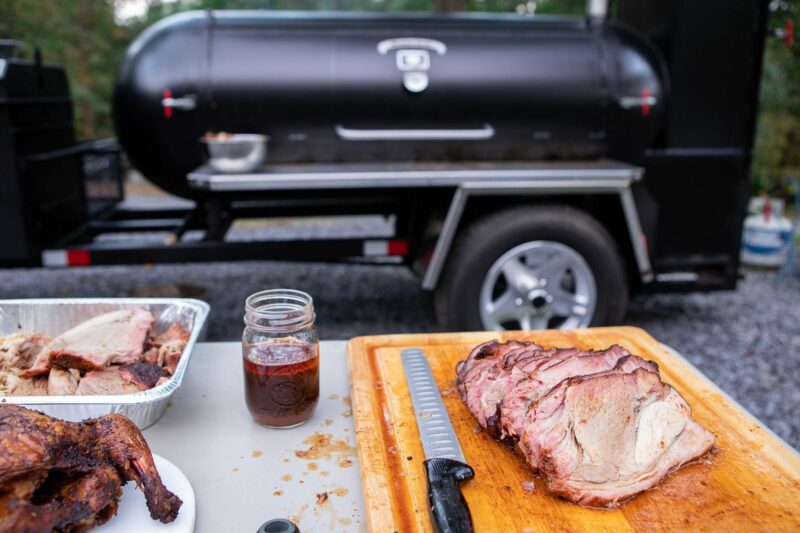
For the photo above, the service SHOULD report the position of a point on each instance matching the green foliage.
(83, 36)
(777, 143)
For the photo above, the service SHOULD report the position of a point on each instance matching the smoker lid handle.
(474, 134)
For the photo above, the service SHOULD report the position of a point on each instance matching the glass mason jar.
(280, 351)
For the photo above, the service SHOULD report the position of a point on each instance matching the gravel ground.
(747, 341)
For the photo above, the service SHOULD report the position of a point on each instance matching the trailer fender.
(620, 186)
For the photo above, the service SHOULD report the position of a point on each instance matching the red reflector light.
(78, 258)
(397, 247)
(645, 102)
(167, 108)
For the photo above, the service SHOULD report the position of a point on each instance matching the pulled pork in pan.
(112, 353)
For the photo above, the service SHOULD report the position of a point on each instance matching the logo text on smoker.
(413, 59)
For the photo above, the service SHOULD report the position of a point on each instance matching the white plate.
(133, 516)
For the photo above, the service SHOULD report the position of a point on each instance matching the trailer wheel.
(543, 267)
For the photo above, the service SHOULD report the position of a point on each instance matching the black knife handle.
(449, 510)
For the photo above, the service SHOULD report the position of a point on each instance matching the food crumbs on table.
(301, 481)
(312, 466)
(333, 397)
(286, 477)
(256, 453)
(345, 462)
(345, 521)
(235, 469)
(169, 403)
(529, 486)
(305, 474)
(341, 491)
(324, 446)
(322, 497)
(286, 460)
(278, 493)
(324, 473)
(327, 422)
(348, 405)
(297, 517)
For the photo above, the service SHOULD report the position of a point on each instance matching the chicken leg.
(31, 442)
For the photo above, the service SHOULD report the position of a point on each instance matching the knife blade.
(445, 465)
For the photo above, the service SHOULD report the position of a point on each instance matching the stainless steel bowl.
(237, 153)
(54, 316)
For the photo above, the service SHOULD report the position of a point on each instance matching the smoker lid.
(347, 19)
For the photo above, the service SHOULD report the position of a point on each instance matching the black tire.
(485, 240)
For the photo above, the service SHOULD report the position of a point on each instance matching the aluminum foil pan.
(54, 316)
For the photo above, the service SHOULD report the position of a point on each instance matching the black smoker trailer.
(537, 169)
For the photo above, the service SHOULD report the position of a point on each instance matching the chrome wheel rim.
(538, 285)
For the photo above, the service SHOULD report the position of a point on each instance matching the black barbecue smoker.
(537, 169)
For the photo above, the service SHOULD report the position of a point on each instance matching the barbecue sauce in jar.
(280, 352)
(281, 382)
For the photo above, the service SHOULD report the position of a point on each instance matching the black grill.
(43, 189)
(346, 88)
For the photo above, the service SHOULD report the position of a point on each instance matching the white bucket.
(766, 237)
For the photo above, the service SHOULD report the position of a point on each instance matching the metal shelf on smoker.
(401, 175)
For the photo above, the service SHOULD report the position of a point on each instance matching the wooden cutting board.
(752, 483)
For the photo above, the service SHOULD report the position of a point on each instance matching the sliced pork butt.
(513, 408)
(115, 337)
(62, 381)
(166, 349)
(477, 376)
(525, 375)
(171, 364)
(600, 439)
(483, 393)
(143, 375)
(13, 385)
(107, 381)
(491, 353)
(19, 350)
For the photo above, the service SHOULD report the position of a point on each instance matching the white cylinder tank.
(767, 235)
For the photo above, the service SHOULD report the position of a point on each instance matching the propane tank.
(767, 235)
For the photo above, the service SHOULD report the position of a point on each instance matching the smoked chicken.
(67, 476)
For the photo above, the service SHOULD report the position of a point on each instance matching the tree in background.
(82, 35)
(777, 144)
(88, 39)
